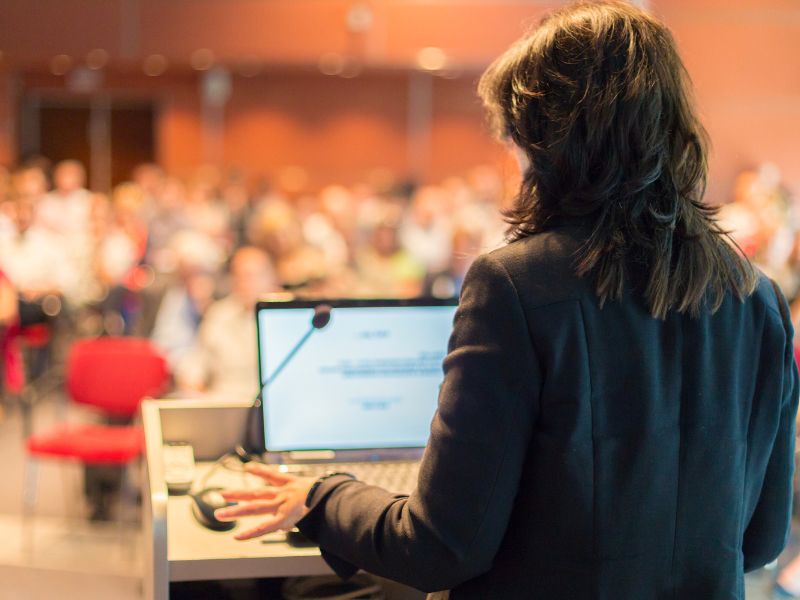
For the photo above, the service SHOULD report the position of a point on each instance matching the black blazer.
(586, 453)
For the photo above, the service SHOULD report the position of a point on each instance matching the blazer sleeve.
(768, 529)
(450, 528)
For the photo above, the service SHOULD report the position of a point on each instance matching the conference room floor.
(73, 559)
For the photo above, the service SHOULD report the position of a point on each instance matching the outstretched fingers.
(251, 494)
(269, 473)
(255, 507)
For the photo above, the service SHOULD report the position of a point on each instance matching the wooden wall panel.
(744, 58)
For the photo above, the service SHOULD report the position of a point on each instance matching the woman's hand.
(284, 500)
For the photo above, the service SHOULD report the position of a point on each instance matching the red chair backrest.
(114, 374)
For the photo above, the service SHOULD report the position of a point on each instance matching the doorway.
(108, 136)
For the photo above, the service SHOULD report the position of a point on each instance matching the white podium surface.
(197, 553)
(178, 547)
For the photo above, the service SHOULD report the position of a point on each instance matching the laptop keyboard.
(395, 476)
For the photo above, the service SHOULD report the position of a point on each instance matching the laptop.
(352, 384)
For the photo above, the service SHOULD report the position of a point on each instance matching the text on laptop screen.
(369, 379)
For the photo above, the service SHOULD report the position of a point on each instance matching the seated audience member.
(150, 178)
(164, 220)
(66, 209)
(339, 205)
(236, 199)
(466, 246)
(66, 212)
(277, 230)
(205, 211)
(426, 233)
(387, 269)
(476, 206)
(188, 295)
(224, 360)
(121, 245)
(29, 251)
(763, 222)
(321, 231)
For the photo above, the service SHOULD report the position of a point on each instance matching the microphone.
(321, 318)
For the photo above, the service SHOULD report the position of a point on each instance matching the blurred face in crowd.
(23, 213)
(200, 193)
(69, 176)
(127, 201)
(277, 230)
(30, 183)
(150, 178)
(235, 196)
(466, 246)
(428, 205)
(337, 203)
(100, 215)
(384, 239)
(486, 181)
(200, 285)
(305, 206)
(173, 195)
(762, 196)
(252, 275)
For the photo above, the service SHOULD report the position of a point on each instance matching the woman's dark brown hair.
(598, 100)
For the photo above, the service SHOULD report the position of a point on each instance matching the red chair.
(113, 375)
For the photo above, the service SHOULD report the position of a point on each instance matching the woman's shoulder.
(550, 253)
(540, 266)
(769, 295)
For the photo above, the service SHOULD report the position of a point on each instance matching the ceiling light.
(431, 59)
(154, 65)
(351, 68)
(359, 17)
(96, 59)
(331, 63)
(202, 59)
(60, 64)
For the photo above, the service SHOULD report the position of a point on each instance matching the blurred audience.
(224, 358)
(386, 266)
(66, 208)
(277, 230)
(187, 295)
(182, 261)
(763, 218)
(156, 257)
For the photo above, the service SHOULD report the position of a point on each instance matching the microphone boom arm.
(286, 360)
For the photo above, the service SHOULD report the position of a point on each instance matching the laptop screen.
(368, 379)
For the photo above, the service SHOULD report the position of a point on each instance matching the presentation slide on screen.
(369, 379)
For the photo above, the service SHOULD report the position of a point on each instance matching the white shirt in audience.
(34, 261)
(224, 360)
(66, 214)
(175, 327)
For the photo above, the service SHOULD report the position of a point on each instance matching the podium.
(177, 547)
